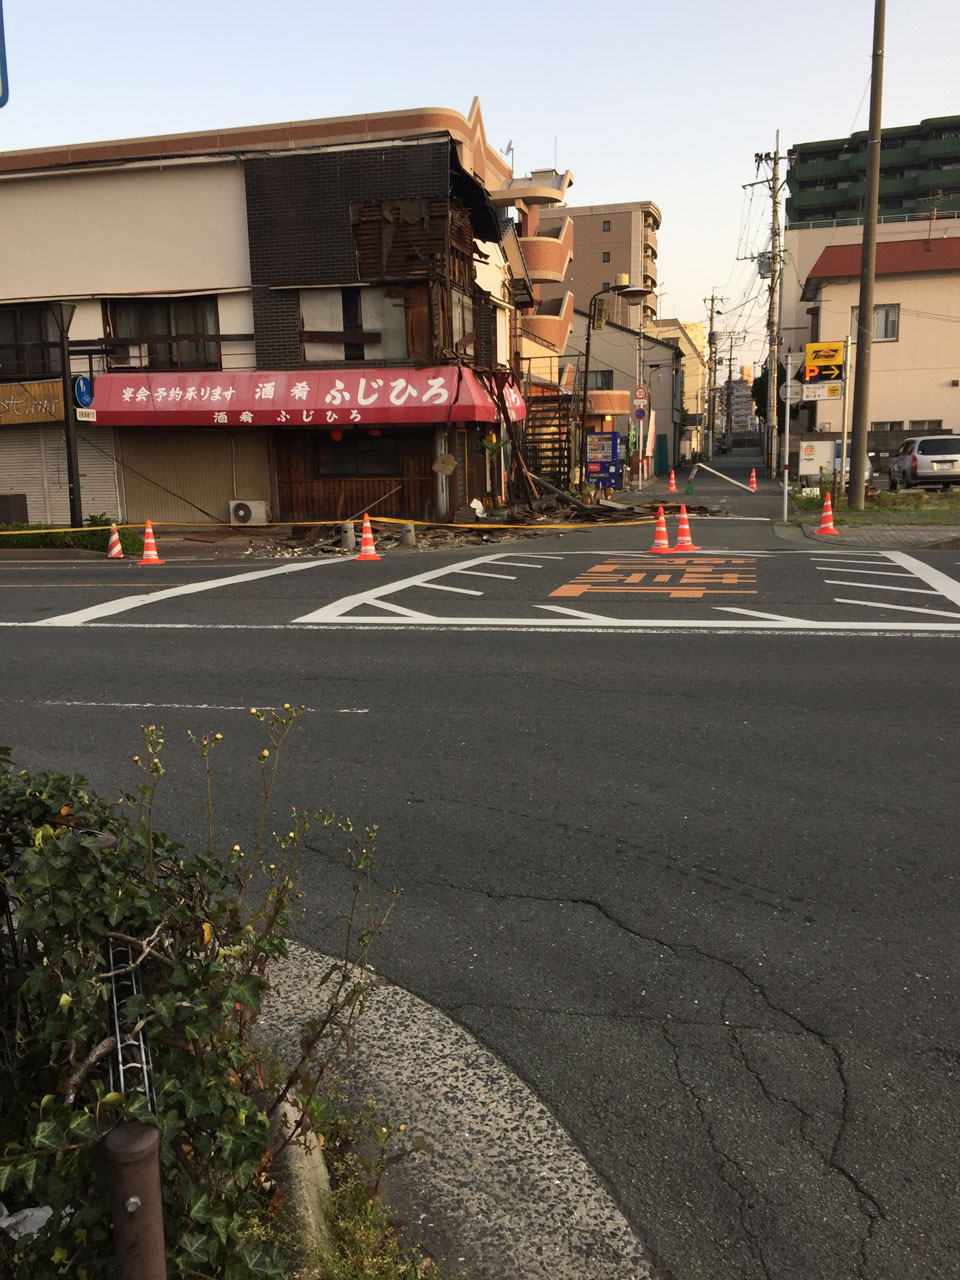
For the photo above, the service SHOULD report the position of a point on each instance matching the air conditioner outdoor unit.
(248, 511)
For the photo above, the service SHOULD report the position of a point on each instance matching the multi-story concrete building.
(919, 174)
(612, 240)
(915, 373)
(303, 317)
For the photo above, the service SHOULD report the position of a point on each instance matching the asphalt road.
(691, 873)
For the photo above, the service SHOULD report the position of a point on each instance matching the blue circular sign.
(83, 392)
(640, 413)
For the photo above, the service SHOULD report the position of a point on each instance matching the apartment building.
(612, 240)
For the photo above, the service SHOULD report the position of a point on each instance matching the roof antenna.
(508, 151)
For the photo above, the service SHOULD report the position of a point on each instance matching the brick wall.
(298, 223)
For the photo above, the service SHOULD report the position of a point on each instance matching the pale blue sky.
(641, 100)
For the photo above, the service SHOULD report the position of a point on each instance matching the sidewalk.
(500, 1188)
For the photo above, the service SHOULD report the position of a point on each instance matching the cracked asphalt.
(698, 892)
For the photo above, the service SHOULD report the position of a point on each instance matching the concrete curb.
(502, 1192)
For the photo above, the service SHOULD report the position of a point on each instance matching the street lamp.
(632, 293)
(63, 313)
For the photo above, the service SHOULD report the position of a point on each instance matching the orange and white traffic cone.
(114, 549)
(672, 486)
(661, 543)
(753, 479)
(368, 550)
(150, 547)
(826, 519)
(684, 541)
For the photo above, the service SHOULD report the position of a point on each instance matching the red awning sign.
(299, 399)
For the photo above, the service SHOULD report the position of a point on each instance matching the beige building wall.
(911, 379)
(156, 229)
(693, 362)
(631, 243)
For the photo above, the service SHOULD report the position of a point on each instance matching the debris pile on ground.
(522, 521)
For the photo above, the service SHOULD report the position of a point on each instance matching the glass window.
(926, 426)
(600, 380)
(163, 333)
(886, 322)
(886, 426)
(944, 445)
(605, 256)
(23, 332)
(606, 224)
(358, 454)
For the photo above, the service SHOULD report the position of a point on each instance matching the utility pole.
(868, 259)
(730, 386)
(712, 374)
(773, 315)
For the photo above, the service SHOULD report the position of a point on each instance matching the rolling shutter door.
(33, 460)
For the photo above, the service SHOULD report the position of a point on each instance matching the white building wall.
(166, 227)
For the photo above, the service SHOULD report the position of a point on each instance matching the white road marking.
(329, 612)
(573, 613)
(948, 587)
(442, 586)
(906, 608)
(756, 613)
(881, 586)
(155, 706)
(81, 616)
(519, 564)
(479, 573)
(789, 626)
(878, 573)
(398, 608)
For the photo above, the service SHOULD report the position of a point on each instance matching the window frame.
(880, 309)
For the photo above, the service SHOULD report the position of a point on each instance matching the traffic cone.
(661, 543)
(114, 549)
(672, 486)
(368, 550)
(826, 518)
(753, 479)
(684, 541)
(150, 547)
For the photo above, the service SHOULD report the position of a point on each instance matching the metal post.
(773, 319)
(844, 420)
(861, 388)
(70, 430)
(583, 402)
(133, 1155)
(786, 435)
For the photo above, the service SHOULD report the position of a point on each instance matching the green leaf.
(48, 1134)
(83, 1126)
(8, 1173)
(28, 1171)
(193, 1249)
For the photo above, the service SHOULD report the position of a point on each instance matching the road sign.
(823, 362)
(823, 391)
(4, 86)
(640, 413)
(794, 391)
(823, 353)
(639, 395)
(83, 392)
